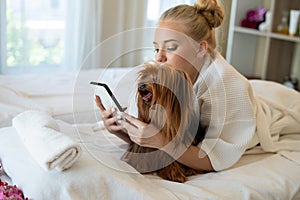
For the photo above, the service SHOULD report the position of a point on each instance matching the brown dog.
(165, 99)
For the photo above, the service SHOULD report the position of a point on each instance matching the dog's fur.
(165, 99)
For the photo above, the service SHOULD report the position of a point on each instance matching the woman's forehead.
(168, 31)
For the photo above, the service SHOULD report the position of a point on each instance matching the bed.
(99, 173)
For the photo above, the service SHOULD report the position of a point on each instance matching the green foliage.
(24, 48)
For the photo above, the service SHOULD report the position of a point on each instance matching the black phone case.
(110, 94)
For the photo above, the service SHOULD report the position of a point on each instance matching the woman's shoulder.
(220, 72)
(221, 81)
(225, 68)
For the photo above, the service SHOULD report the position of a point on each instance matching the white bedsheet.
(67, 96)
(99, 174)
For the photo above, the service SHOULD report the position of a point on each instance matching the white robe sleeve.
(228, 113)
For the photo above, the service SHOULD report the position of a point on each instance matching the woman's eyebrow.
(166, 41)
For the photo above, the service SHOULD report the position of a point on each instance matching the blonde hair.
(198, 21)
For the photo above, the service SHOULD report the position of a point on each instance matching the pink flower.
(8, 192)
(256, 15)
(253, 18)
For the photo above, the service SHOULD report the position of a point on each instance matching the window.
(156, 7)
(32, 32)
(32, 35)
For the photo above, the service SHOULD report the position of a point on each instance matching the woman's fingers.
(130, 127)
(99, 103)
(140, 132)
(116, 127)
(106, 114)
(133, 121)
(147, 136)
(111, 123)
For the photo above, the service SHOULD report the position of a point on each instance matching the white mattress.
(99, 173)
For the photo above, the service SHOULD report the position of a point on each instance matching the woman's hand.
(141, 133)
(110, 121)
(108, 117)
(148, 135)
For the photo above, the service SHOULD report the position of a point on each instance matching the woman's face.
(174, 47)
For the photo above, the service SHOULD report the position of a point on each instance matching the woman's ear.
(202, 48)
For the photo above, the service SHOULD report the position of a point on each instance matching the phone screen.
(108, 99)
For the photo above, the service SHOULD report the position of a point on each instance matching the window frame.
(18, 69)
(2, 35)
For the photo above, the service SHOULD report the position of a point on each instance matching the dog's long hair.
(165, 99)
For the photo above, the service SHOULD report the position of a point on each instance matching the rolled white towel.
(49, 147)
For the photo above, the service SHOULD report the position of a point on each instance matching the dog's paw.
(175, 175)
(179, 179)
(192, 172)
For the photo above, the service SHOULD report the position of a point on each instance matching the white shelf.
(239, 29)
(285, 37)
(250, 31)
(264, 54)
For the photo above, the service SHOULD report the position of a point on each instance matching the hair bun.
(211, 10)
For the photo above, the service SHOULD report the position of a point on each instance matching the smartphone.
(108, 99)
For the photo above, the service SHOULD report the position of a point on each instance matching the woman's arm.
(148, 135)
(191, 158)
(123, 135)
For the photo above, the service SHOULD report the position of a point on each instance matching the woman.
(235, 117)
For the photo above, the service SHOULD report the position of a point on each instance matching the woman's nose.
(161, 56)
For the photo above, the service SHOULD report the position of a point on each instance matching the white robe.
(239, 114)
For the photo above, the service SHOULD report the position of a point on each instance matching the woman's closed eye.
(172, 48)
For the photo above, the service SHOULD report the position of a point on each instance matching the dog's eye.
(142, 86)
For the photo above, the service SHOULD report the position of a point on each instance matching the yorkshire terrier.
(165, 99)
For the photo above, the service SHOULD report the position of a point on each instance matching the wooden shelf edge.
(272, 35)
